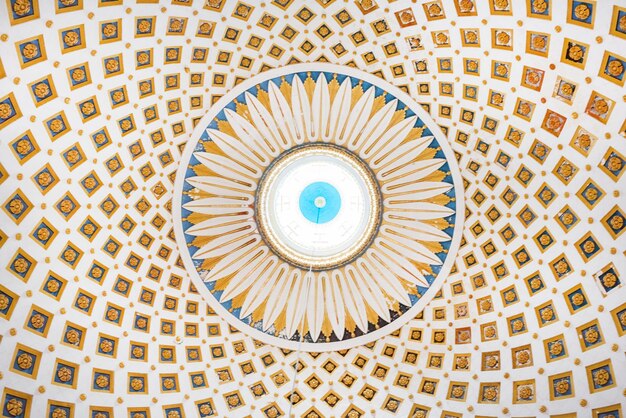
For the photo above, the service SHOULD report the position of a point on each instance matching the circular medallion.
(317, 207)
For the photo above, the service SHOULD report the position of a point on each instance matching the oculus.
(318, 207)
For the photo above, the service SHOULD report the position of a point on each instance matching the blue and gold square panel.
(109, 206)
(614, 220)
(590, 335)
(57, 125)
(555, 348)
(122, 286)
(169, 383)
(613, 68)
(144, 26)
(539, 8)
(101, 138)
(618, 22)
(613, 164)
(608, 279)
(65, 374)
(53, 285)
(566, 218)
(611, 411)
(110, 31)
(9, 110)
(79, 75)
(102, 381)
(206, 408)
(21, 265)
(576, 299)
(60, 409)
(73, 336)
(561, 267)
(517, 325)
(84, 301)
(31, 51)
(143, 58)
(42, 90)
(114, 314)
(22, 10)
(24, 147)
(600, 376)
(44, 233)
(67, 206)
(138, 351)
(112, 246)
(581, 13)
(141, 322)
(16, 404)
(89, 228)
(72, 38)
(113, 65)
(73, 156)
(588, 246)
(17, 206)
(561, 386)
(107, 345)
(137, 383)
(88, 109)
(26, 361)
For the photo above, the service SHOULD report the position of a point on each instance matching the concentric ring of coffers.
(344, 305)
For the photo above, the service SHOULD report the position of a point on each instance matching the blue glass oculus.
(320, 202)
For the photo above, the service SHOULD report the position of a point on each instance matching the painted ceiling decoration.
(104, 311)
(339, 271)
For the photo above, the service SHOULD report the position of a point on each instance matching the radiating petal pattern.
(417, 191)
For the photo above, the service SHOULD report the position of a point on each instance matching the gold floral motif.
(83, 302)
(78, 74)
(5, 110)
(525, 392)
(30, 50)
(4, 301)
(575, 52)
(591, 336)
(138, 352)
(601, 377)
(59, 413)
(556, 348)
(523, 357)
(490, 393)
(578, 299)
(589, 247)
(15, 407)
(102, 381)
(109, 30)
(539, 6)
(72, 336)
(16, 206)
(42, 90)
(71, 38)
(582, 12)
(25, 361)
(609, 280)
(64, 374)
(458, 392)
(547, 314)
(22, 7)
(56, 126)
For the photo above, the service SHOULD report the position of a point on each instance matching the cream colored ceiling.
(100, 319)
